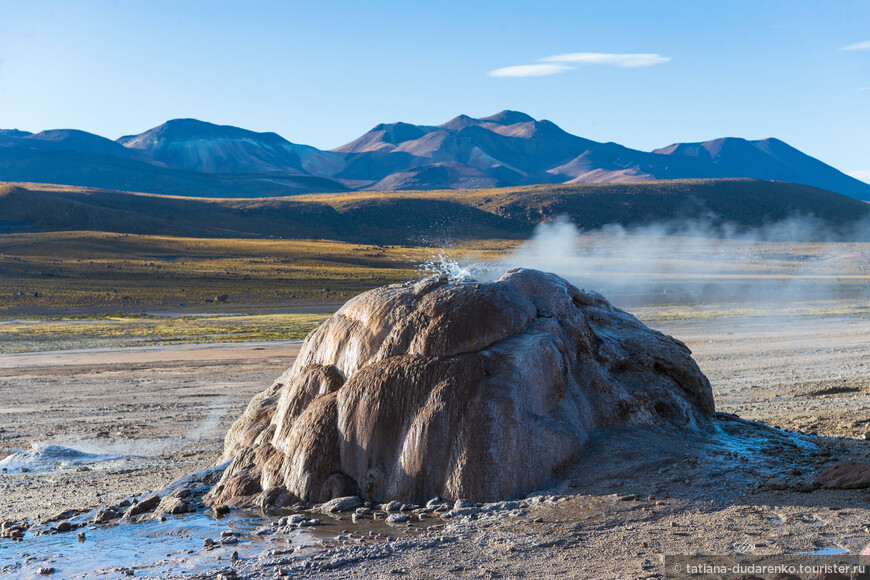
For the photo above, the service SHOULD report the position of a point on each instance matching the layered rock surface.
(459, 389)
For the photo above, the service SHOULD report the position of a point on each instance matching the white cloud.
(623, 60)
(530, 70)
(862, 174)
(559, 63)
(858, 46)
(864, 89)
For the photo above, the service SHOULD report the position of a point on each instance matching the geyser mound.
(459, 389)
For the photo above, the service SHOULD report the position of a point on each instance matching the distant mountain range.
(195, 158)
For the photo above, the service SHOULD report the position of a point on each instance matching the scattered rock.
(462, 503)
(397, 518)
(45, 571)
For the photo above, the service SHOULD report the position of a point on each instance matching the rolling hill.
(419, 217)
(194, 158)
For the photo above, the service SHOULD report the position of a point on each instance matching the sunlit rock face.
(459, 389)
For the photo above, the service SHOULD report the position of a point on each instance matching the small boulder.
(106, 514)
(172, 505)
(144, 505)
(775, 483)
(392, 506)
(845, 475)
(341, 504)
(63, 527)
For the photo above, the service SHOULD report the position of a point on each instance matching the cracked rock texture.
(457, 389)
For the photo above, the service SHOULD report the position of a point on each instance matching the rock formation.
(456, 388)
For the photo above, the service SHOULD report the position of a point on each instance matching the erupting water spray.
(442, 264)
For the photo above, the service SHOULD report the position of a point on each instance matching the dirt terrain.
(168, 406)
(615, 517)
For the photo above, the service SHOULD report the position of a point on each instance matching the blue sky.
(322, 73)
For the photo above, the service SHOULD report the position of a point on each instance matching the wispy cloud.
(559, 63)
(858, 46)
(862, 174)
(623, 60)
(864, 89)
(530, 70)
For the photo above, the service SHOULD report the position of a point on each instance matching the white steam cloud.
(696, 262)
